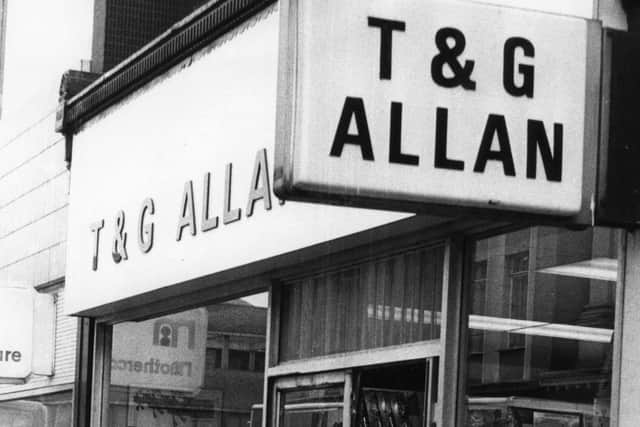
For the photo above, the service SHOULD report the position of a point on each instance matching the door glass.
(393, 396)
(313, 407)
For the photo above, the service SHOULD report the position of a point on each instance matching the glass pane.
(50, 410)
(542, 304)
(391, 396)
(389, 301)
(198, 368)
(317, 407)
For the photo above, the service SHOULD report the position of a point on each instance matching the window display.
(540, 328)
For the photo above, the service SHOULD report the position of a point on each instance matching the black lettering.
(16, 356)
(496, 125)
(353, 107)
(448, 55)
(527, 71)
(395, 139)
(441, 159)
(537, 137)
(387, 26)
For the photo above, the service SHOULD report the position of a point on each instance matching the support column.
(628, 346)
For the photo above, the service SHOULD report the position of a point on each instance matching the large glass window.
(51, 410)
(540, 328)
(198, 368)
(383, 302)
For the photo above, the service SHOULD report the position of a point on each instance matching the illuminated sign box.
(403, 105)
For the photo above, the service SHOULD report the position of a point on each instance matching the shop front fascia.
(372, 316)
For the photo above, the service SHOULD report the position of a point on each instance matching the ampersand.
(119, 247)
(449, 55)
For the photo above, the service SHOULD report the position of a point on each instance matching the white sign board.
(28, 321)
(451, 103)
(163, 353)
(174, 183)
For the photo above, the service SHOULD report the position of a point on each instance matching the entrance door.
(397, 395)
(320, 400)
(391, 395)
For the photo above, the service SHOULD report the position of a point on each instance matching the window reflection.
(201, 367)
(37, 411)
(540, 327)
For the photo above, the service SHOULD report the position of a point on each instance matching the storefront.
(213, 303)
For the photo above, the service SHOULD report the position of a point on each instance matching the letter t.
(95, 230)
(387, 26)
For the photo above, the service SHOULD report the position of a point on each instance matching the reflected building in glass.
(201, 367)
(542, 303)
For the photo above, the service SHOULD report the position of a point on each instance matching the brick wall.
(123, 26)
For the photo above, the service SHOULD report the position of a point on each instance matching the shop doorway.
(391, 395)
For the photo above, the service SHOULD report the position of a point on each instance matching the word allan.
(260, 189)
(448, 71)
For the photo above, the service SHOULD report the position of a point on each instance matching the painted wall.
(43, 39)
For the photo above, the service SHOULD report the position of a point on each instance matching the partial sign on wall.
(28, 320)
(164, 353)
(406, 105)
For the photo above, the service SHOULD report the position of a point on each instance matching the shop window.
(518, 265)
(239, 359)
(214, 357)
(383, 302)
(259, 361)
(193, 368)
(43, 410)
(545, 315)
(478, 292)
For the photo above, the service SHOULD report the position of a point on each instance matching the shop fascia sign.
(188, 221)
(27, 335)
(407, 105)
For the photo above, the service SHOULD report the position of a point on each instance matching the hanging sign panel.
(404, 104)
(29, 319)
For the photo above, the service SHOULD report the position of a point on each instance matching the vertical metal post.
(450, 387)
(84, 371)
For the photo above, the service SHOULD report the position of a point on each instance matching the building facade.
(34, 185)
(205, 300)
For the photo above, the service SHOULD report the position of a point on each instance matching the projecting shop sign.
(27, 334)
(398, 104)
